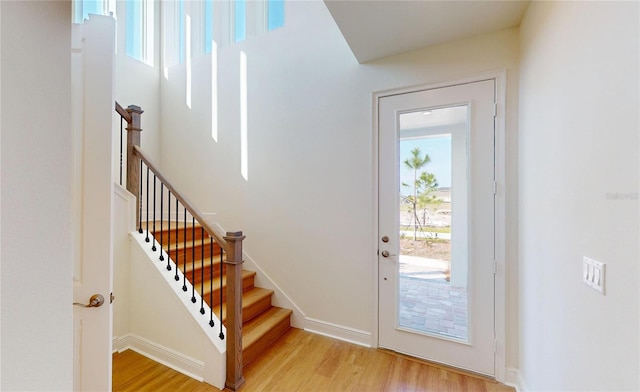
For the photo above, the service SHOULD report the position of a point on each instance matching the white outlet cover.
(593, 274)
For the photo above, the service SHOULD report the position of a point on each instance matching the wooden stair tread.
(254, 329)
(252, 301)
(262, 331)
(256, 294)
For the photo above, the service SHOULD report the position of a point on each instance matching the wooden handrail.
(193, 210)
(123, 112)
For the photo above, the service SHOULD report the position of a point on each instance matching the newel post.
(234, 261)
(133, 161)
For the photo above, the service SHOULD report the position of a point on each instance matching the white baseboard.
(514, 379)
(351, 335)
(177, 361)
(119, 343)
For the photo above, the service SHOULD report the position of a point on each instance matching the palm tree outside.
(424, 184)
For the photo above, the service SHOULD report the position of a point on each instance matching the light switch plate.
(593, 273)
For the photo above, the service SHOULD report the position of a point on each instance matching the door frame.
(500, 78)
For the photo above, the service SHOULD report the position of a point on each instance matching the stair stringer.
(161, 313)
(298, 318)
(279, 298)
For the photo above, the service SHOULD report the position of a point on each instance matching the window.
(139, 30)
(208, 25)
(275, 14)
(181, 32)
(82, 9)
(133, 42)
(240, 20)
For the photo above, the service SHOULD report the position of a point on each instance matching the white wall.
(36, 226)
(579, 195)
(137, 83)
(307, 206)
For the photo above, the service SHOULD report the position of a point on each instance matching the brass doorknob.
(95, 301)
(385, 253)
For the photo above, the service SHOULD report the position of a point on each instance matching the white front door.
(92, 111)
(436, 225)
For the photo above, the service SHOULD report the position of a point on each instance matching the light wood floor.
(301, 361)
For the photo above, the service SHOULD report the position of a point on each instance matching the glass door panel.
(432, 295)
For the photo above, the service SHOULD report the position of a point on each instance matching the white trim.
(375, 337)
(119, 343)
(511, 378)
(347, 334)
(130, 201)
(514, 379)
(179, 362)
(262, 279)
(500, 206)
(432, 86)
(500, 227)
(279, 298)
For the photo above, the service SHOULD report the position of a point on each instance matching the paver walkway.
(428, 302)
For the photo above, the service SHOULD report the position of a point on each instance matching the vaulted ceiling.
(376, 29)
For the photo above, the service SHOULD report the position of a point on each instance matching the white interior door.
(436, 225)
(92, 110)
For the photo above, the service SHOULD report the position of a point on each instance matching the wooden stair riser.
(165, 236)
(256, 308)
(247, 285)
(194, 253)
(253, 351)
(195, 275)
(250, 309)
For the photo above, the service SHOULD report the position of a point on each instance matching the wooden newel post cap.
(134, 109)
(234, 250)
(136, 116)
(234, 236)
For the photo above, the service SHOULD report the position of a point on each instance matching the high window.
(82, 9)
(181, 32)
(139, 26)
(208, 26)
(275, 14)
(240, 20)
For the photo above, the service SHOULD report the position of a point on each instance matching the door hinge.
(495, 187)
(495, 109)
(495, 346)
(495, 267)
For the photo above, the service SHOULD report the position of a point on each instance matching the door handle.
(95, 301)
(385, 253)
